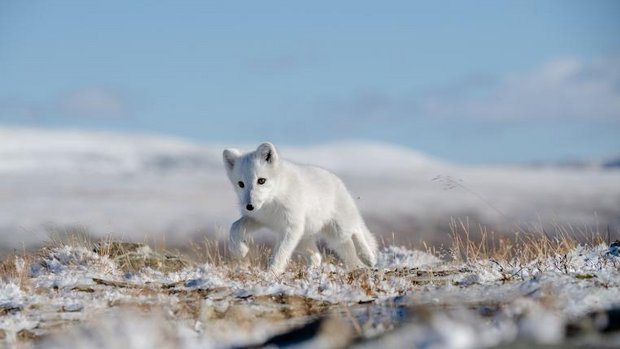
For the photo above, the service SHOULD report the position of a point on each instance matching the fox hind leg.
(308, 250)
(352, 242)
(346, 251)
(365, 246)
(339, 241)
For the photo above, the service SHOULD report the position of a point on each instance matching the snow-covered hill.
(142, 187)
(38, 150)
(71, 152)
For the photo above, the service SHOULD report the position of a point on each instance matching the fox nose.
(249, 207)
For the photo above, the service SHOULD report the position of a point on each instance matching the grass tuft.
(525, 244)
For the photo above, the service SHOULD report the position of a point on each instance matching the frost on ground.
(71, 296)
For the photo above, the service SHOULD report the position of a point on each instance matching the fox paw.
(276, 268)
(313, 259)
(238, 250)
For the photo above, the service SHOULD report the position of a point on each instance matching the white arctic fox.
(300, 202)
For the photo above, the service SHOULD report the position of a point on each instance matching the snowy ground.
(70, 296)
(161, 189)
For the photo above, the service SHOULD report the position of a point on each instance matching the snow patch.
(398, 256)
(11, 296)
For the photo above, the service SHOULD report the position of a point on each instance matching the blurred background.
(503, 115)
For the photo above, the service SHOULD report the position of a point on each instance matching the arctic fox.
(301, 203)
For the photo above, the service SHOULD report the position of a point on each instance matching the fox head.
(253, 175)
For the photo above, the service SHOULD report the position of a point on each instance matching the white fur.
(300, 202)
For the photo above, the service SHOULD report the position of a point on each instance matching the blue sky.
(467, 81)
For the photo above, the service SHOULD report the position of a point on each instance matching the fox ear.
(230, 156)
(267, 153)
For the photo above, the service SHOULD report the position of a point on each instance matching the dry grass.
(469, 243)
(75, 236)
(216, 253)
(16, 268)
(523, 245)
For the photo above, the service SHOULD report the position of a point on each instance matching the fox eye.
(241, 185)
(261, 181)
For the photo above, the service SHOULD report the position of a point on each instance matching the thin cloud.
(15, 110)
(84, 103)
(93, 102)
(559, 90)
(562, 89)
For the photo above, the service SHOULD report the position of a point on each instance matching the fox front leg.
(236, 240)
(283, 252)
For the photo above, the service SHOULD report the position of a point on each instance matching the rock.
(285, 306)
(72, 307)
(323, 332)
(614, 249)
(604, 321)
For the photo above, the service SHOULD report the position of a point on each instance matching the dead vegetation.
(474, 242)
(187, 301)
(470, 243)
